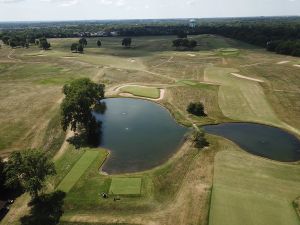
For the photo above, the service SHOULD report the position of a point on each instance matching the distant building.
(192, 23)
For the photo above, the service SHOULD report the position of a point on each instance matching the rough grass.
(249, 190)
(148, 92)
(78, 170)
(125, 186)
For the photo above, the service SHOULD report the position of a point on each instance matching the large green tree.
(44, 44)
(83, 42)
(81, 96)
(126, 42)
(199, 139)
(99, 43)
(30, 168)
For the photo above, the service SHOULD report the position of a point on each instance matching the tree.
(30, 168)
(192, 44)
(83, 42)
(80, 48)
(99, 43)
(43, 43)
(81, 97)
(126, 42)
(199, 140)
(182, 34)
(74, 47)
(196, 108)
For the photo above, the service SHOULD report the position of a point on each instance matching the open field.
(248, 190)
(177, 192)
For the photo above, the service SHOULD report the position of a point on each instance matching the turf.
(248, 190)
(148, 92)
(241, 99)
(78, 170)
(125, 186)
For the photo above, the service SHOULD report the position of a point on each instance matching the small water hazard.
(266, 141)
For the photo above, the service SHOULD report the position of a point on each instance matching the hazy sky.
(28, 10)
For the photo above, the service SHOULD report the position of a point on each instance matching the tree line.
(278, 34)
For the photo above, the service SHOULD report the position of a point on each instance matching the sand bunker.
(244, 77)
(283, 62)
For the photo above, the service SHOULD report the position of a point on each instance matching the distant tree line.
(278, 34)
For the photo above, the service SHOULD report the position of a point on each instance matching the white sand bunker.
(297, 65)
(132, 60)
(244, 77)
(283, 62)
(192, 55)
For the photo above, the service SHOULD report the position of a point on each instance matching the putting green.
(78, 170)
(259, 190)
(241, 99)
(148, 92)
(125, 186)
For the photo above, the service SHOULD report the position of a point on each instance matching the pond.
(140, 134)
(261, 140)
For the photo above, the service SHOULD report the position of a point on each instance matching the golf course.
(146, 169)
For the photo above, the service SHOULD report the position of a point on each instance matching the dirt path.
(64, 146)
(247, 78)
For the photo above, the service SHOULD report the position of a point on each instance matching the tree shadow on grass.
(45, 210)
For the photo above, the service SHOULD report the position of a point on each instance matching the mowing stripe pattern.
(78, 170)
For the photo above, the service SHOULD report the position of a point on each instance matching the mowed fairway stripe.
(78, 170)
(248, 190)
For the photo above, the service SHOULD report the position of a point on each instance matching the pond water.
(261, 140)
(140, 134)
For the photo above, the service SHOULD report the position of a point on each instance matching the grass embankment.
(147, 92)
(251, 190)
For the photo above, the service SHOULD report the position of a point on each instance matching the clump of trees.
(199, 139)
(79, 47)
(76, 47)
(196, 108)
(82, 96)
(126, 42)
(185, 43)
(44, 44)
(30, 169)
(288, 47)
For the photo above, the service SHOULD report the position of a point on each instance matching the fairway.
(125, 186)
(241, 99)
(147, 92)
(249, 187)
(78, 170)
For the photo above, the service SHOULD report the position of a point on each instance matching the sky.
(58, 10)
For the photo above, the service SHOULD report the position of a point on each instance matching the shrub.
(196, 108)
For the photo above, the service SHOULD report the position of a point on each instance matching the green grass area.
(125, 186)
(241, 99)
(148, 92)
(78, 170)
(249, 190)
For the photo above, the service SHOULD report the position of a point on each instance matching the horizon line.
(178, 18)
